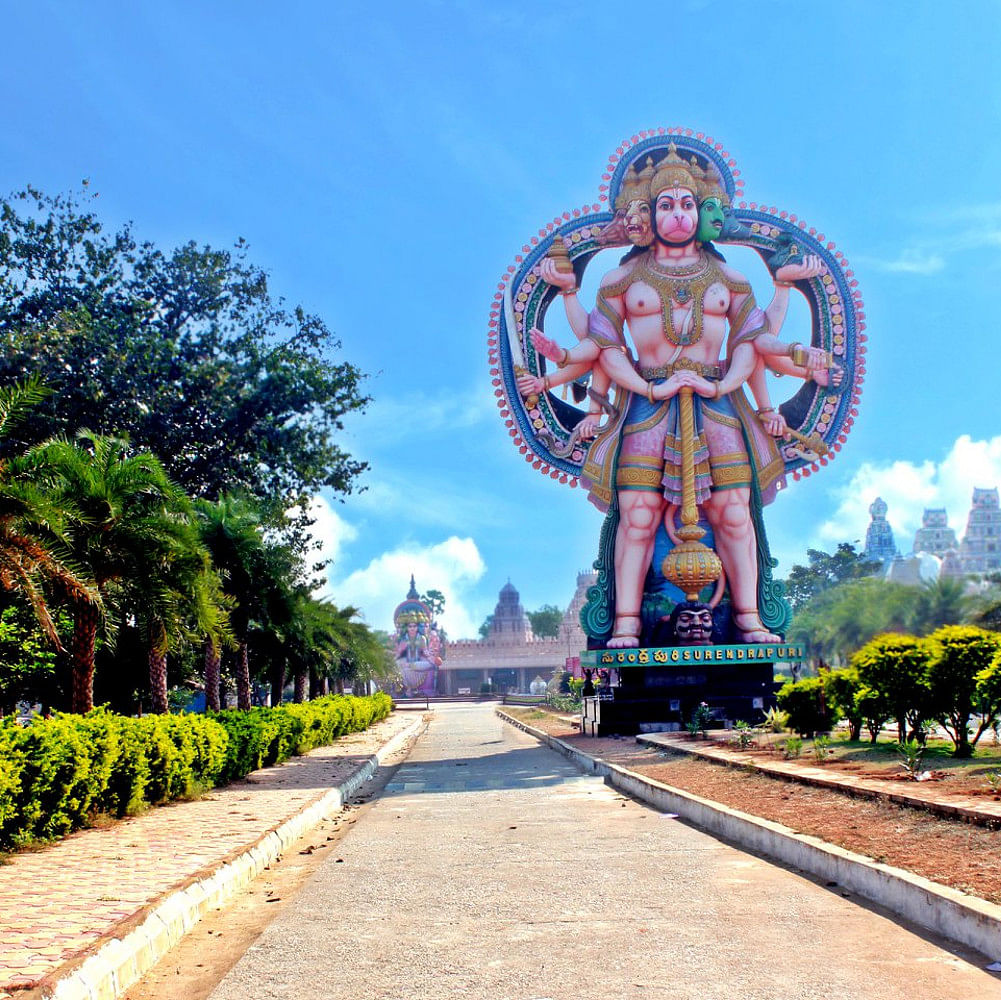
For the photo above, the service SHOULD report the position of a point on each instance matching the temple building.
(980, 550)
(511, 656)
(935, 535)
(879, 543)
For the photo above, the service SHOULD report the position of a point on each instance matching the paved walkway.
(491, 868)
(57, 903)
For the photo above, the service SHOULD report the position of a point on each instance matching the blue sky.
(386, 162)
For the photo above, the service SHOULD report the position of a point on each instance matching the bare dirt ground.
(953, 853)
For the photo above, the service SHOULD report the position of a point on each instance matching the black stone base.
(670, 694)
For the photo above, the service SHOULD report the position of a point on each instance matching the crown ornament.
(674, 172)
(636, 185)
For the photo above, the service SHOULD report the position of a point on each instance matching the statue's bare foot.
(750, 629)
(625, 632)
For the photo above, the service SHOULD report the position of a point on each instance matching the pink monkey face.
(677, 215)
(636, 219)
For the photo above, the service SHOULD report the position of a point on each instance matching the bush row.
(55, 774)
(951, 678)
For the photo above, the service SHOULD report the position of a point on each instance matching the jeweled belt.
(682, 364)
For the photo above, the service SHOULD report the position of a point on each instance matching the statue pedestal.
(663, 686)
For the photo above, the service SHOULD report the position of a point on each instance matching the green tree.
(841, 688)
(27, 659)
(231, 530)
(807, 705)
(960, 654)
(435, 600)
(939, 602)
(187, 352)
(896, 667)
(484, 629)
(546, 621)
(119, 499)
(840, 619)
(34, 517)
(825, 570)
(178, 598)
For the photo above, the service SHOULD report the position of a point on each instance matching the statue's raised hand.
(546, 347)
(561, 279)
(809, 267)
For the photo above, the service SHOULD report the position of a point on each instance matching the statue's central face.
(412, 629)
(637, 223)
(710, 220)
(694, 627)
(677, 216)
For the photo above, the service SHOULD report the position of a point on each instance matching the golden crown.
(636, 185)
(674, 172)
(713, 186)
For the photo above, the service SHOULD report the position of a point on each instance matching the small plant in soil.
(792, 748)
(911, 752)
(775, 720)
(994, 780)
(821, 749)
(743, 734)
(701, 718)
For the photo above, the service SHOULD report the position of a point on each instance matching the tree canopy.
(187, 352)
(825, 570)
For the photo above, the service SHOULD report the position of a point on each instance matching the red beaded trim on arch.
(494, 360)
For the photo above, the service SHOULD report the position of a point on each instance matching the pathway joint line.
(121, 962)
(968, 920)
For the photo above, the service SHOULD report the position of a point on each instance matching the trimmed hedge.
(55, 774)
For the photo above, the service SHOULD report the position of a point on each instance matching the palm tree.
(179, 599)
(119, 500)
(230, 529)
(33, 519)
(942, 601)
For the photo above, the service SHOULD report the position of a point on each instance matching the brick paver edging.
(966, 919)
(983, 814)
(120, 963)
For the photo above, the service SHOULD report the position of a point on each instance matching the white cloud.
(909, 488)
(452, 566)
(329, 529)
(910, 261)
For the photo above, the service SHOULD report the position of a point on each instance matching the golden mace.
(690, 565)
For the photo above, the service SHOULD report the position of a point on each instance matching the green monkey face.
(710, 220)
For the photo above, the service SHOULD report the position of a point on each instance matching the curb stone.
(122, 962)
(964, 919)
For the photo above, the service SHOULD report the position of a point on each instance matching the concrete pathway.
(491, 868)
(58, 904)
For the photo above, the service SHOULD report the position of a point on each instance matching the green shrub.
(57, 773)
(804, 702)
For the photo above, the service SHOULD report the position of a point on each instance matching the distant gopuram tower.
(879, 544)
(935, 535)
(980, 551)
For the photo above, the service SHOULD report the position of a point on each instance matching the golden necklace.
(679, 286)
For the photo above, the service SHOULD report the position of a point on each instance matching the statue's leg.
(729, 513)
(640, 512)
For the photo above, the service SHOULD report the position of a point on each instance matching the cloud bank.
(452, 566)
(909, 488)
